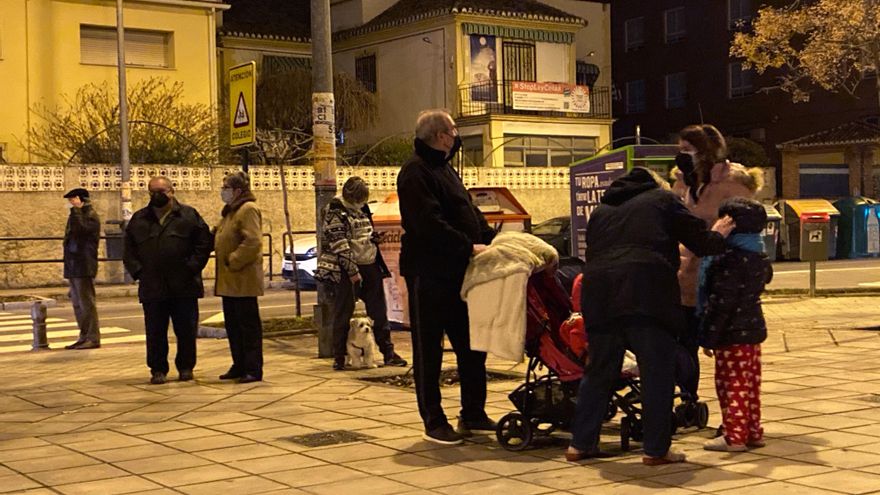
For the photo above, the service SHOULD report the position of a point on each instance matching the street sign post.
(243, 107)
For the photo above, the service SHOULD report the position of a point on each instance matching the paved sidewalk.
(88, 422)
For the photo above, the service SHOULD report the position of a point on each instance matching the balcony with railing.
(497, 98)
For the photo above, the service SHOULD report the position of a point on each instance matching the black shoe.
(74, 345)
(444, 435)
(185, 375)
(393, 359)
(87, 344)
(339, 364)
(246, 378)
(230, 375)
(158, 378)
(468, 428)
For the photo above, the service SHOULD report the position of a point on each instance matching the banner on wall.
(484, 75)
(550, 96)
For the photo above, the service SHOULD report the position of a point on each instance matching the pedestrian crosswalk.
(16, 333)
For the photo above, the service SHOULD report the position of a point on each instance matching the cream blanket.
(495, 290)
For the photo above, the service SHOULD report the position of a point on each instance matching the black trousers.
(184, 315)
(435, 307)
(82, 297)
(690, 383)
(372, 291)
(654, 348)
(244, 329)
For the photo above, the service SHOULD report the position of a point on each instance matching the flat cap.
(82, 193)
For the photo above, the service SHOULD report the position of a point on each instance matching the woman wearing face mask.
(351, 267)
(704, 179)
(239, 249)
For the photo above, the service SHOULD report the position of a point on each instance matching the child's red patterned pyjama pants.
(738, 383)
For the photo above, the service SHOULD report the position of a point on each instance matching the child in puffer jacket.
(733, 327)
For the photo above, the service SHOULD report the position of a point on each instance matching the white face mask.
(227, 195)
(68, 206)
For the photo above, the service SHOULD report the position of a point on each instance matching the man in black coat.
(630, 300)
(81, 266)
(167, 244)
(442, 230)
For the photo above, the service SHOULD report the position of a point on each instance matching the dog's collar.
(359, 348)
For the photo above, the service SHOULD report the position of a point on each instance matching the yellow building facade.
(51, 48)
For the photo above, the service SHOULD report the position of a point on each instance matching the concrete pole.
(324, 149)
(124, 162)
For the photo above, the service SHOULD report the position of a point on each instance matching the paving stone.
(298, 478)
(398, 463)
(351, 452)
(250, 451)
(77, 474)
(284, 462)
(208, 443)
(161, 463)
(16, 482)
(442, 476)
(840, 458)
(850, 482)
(54, 462)
(151, 450)
(634, 487)
(776, 468)
(497, 486)
(112, 486)
(238, 486)
(193, 475)
(707, 480)
(776, 487)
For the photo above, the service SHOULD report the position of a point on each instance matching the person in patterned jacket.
(351, 266)
(733, 327)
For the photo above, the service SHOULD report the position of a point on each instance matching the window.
(739, 12)
(824, 181)
(275, 64)
(674, 25)
(676, 90)
(586, 74)
(365, 72)
(739, 80)
(634, 33)
(635, 96)
(3, 153)
(142, 48)
(544, 151)
(472, 150)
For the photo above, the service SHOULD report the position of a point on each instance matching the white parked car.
(306, 251)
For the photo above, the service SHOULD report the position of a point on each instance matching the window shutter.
(142, 47)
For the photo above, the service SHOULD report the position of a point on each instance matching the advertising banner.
(550, 96)
(588, 183)
(483, 71)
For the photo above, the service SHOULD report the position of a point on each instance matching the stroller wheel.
(702, 414)
(514, 432)
(611, 412)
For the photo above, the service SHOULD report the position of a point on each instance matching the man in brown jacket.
(239, 250)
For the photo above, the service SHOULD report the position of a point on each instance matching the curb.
(833, 292)
(206, 332)
(19, 305)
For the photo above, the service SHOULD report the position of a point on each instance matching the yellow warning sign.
(242, 104)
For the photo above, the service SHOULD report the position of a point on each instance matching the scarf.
(746, 242)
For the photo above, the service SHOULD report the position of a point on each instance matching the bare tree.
(163, 128)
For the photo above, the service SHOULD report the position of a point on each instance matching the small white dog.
(361, 345)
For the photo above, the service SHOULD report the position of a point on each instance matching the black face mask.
(158, 199)
(456, 145)
(685, 163)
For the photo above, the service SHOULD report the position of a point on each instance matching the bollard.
(38, 315)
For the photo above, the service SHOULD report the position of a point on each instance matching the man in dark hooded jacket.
(630, 300)
(81, 266)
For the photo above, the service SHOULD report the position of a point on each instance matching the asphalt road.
(833, 274)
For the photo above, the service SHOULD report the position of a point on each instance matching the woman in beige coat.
(239, 250)
(704, 179)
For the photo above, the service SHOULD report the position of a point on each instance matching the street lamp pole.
(324, 148)
(125, 191)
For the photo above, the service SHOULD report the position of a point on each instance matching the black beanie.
(749, 215)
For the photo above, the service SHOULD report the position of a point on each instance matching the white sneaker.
(719, 444)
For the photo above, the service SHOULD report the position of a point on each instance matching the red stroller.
(556, 340)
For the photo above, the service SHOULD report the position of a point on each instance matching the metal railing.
(488, 98)
(105, 259)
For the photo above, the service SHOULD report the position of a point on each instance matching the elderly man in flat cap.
(81, 265)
